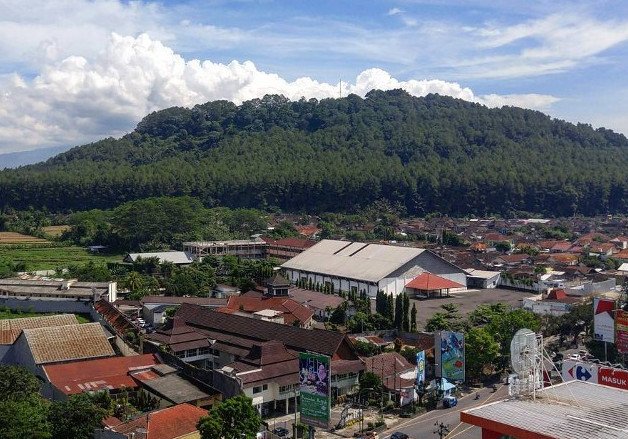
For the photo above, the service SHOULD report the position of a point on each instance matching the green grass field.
(39, 257)
(7, 313)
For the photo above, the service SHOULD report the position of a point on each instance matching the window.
(260, 389)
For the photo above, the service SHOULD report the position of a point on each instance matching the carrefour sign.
(574, 370)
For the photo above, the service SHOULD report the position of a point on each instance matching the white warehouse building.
(360, 266)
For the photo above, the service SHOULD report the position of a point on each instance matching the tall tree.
(76, 418)
(406, 313)
(482, 353)
(234, 418)
(399, 312)
(413, 327)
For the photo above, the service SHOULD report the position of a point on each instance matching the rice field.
(55, 231)
(50, 257)
(8, 238)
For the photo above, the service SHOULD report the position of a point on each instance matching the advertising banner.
(315, 388)
(612, 377)
(621, 331)
(449, 351)
(604, 320)
(420, 367)
(576, 370)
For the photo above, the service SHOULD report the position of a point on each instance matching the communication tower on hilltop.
(526, 357)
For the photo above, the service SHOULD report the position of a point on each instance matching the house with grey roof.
(37, 347)
(359, 266)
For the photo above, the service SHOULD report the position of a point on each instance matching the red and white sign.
(613, 377)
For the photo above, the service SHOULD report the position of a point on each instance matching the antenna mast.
(340, 85)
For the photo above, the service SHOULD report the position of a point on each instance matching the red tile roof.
(300, 243)
(291, 309)
(169, 423)
(430, 282)
(106, 373)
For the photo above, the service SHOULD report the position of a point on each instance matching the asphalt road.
(423, 427)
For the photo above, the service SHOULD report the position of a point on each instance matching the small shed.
(428, 284)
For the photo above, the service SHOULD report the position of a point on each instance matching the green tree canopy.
(482, 353)
(77, 417)
(234, 418)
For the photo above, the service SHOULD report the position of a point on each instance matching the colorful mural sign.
(450, 360)
(604, 320)
(420, 367)
(315, 388)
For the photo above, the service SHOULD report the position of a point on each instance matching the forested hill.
(430, 154)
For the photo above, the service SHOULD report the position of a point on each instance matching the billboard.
(621, 331)
(315, 388)
(420, 367)
(576, 370)
(449, 353)
(604, 320)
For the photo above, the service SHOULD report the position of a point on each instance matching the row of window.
(196, 352)
(260, 389)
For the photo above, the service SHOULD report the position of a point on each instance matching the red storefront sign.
(621, 331)
(613, 377)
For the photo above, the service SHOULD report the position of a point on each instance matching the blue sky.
(75, 71)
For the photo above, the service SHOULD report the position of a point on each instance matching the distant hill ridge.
(432, 153)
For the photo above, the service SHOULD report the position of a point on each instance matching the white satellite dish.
(523, 352)
(526, 351)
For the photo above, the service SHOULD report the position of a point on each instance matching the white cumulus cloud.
(77, 100)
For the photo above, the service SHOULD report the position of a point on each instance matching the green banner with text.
(314, 388)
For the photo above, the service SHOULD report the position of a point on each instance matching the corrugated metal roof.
(353, 260)
(575, 409)
(69, 342)
(10, 329)
(174, 257)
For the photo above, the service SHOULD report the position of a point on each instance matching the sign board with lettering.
(621, 331)
(604, 320)
(315, 388)
(612, 377)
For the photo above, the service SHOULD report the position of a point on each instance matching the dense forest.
(430, 154)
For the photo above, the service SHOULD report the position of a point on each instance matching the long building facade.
(358, 266)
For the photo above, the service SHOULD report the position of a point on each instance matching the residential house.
(285, 310)
(38, 347)
(113, 374)
(154, 307)
(321, 304)
(177, 422)
(512, 260)
(171, 387)
(11, 329)
(398, 376)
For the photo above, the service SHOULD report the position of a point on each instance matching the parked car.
(450, 401)
(399, 435)
(281, 432)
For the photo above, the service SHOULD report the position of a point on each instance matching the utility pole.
(441, 429)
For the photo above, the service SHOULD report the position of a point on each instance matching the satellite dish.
(523, 352)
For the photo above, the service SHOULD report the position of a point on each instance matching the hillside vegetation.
(426, 154)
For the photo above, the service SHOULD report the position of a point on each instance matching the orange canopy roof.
(430, 282)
